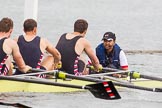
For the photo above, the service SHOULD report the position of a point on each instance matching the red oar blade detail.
(104, 90)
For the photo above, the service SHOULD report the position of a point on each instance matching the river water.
(137, 25)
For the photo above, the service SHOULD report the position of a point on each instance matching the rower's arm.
(18, 58)
(16, 39)
(89, 51)
(52, 50)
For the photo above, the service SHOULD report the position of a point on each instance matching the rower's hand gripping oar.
(102, 90)
(92, 68)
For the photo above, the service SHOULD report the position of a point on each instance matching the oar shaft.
(109, 69)
(115, 79)
(107, 73)
(64, 75)
(138, 75)
(135, 74)
(115, 70)
(150, 77)
(138, 87)
(40, 82)
(18, 105)
(107, 77)
(35, 73)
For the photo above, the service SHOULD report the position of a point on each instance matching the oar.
(115, 79)
(104, 90)
(35, 72)
(110, 70)
(65, 75)
(108, 73)
(104, 75)
(131, 73)
(135, 75)
(18, 105)
(138, 75)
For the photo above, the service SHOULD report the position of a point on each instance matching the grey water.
(136, 23)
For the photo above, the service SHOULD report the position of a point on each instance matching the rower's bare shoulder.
(16, 39)
(45, 43)
(83, 41)
(86, 43)
(10, 41)
(9, 45)
(44, 40)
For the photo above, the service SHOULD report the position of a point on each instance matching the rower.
(72, 45)
(33, 49)
(9, 47)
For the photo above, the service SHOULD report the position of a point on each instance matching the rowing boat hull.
(15, 86)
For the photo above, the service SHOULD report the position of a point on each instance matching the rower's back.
(72, 45)
(33, 47)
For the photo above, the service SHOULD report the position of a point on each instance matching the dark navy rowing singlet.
(30, 52)
(3, 56)
(69, 58)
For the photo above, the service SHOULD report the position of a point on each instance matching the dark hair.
(80, 25)
(6, 24)
(29, 25)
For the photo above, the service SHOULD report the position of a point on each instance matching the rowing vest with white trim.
(3, 56)
(69, 57)
(30, 52)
